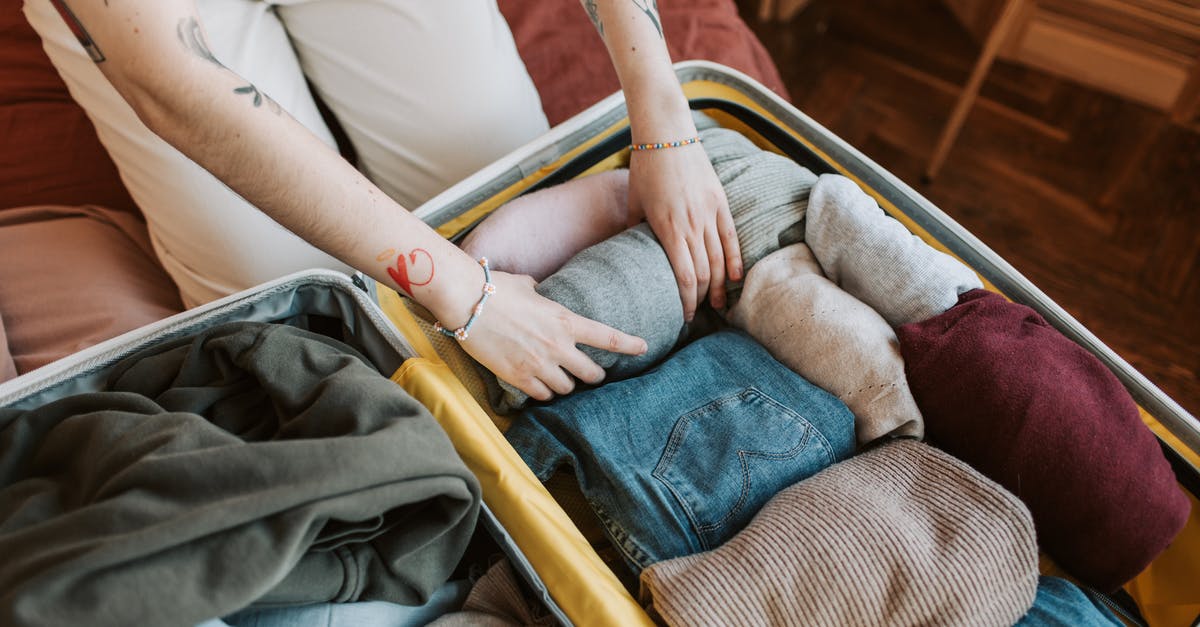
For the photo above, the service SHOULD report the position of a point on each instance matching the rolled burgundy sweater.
(1004, 391)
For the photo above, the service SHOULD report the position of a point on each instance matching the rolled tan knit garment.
(830, 338)
(903, 534)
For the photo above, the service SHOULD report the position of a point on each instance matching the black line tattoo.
(650, 8)
(594, 13)
(77, 29)
(259, 97)
(250, 89)
(192, 37)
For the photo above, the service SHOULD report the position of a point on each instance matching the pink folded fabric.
(903, 534)
(1004, 391)
(75, 276)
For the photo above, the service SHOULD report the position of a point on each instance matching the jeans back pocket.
(725, 460)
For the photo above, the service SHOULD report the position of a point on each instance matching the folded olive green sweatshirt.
(252, 463)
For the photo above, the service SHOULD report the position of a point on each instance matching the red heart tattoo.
(399, 273)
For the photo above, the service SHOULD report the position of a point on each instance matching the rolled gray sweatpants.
(626, 281)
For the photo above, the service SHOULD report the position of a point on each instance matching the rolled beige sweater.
(830, 338)
(901, 535)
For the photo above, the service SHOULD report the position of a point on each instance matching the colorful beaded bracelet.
(660, 146)
(463, 332)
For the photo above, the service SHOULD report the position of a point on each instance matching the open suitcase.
(532, 528)
(1167, 593)
(320, 300)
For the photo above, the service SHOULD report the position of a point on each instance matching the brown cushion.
(49, 152)
(570, 67)
(75, 276)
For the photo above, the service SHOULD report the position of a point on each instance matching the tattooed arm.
(155, 54)
(675, 189)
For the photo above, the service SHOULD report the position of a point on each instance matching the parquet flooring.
(1095, 199)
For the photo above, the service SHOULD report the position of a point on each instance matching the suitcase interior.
(597, 140)
(322, 301)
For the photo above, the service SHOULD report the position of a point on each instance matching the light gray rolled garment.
(768, 194)
(830, 338)
(876, 259)
(626, 281)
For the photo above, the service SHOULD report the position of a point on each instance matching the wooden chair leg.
(969, 93)
(766, 10)
(779, 10)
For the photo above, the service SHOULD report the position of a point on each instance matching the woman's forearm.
(156, 55)
(266, 156)
(632, 31)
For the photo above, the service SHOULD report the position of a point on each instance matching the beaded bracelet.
(660, 146)
(463, 332)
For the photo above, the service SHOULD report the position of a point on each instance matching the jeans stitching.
(677, 435)
(621, 539)
(747, 481)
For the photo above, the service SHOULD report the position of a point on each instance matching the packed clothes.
(829, 275)
(249, 464)
(679, 459)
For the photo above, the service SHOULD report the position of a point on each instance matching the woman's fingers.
(680, 256)
(535, 389)
(604, 337)
(582, 366)
(729, 244)
(716, 261)
(558, 381)
(696, 243)
(554, 377)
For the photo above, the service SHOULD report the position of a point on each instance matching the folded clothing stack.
(679, 459)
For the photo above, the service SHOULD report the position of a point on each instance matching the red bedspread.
(570, 66)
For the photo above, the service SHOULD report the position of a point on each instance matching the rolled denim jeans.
(1060, 603)
(679, 459)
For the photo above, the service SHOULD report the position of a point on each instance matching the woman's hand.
(674, 188)
(529, 341)
(680, 196)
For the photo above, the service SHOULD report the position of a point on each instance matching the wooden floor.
(1094, 199)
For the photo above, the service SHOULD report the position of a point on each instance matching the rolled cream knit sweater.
(903, 534)
(830, 338)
